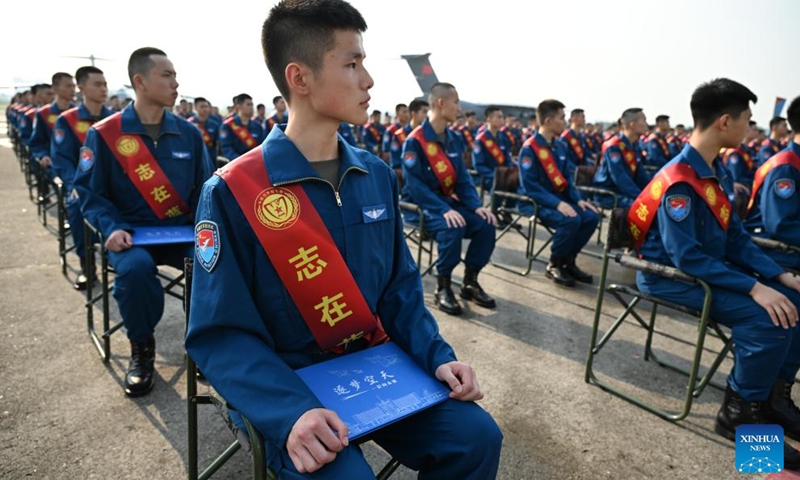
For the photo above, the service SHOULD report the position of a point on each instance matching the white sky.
(602, 56)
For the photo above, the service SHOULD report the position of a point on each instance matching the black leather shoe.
(557, 272)
(736, 411)
(445, 298)
(577, 273)
(139, 379)
(472, 291)
(781, 409)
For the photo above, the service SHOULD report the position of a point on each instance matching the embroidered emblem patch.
(206, 244)
(526, 163)
(85, 159)
(409, 159)
(374, 213)
(784, 187)
(277, 208)
(678, 207)
(58, 135)
(615, 157)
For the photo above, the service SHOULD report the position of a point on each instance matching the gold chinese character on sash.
(307, 263)
(174, 211)
(333, 312)
(448, 181)
(551, 168)
(725, 214)
(558, 181)
(144, 171)
(642, 212)
(160, 194)
(635, 231)
(441, 166)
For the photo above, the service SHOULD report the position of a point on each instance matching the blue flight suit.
(110, 202)
(656, 155)
(26, 125)
(585, 158)
(386, 138)
(248, 337)
(271, 122)
(346, 132)
(213, 129)
(686, 234)
(768, 148)
(423, 188)
(232, 146)
(733, 159)
(571, 233)
(396, 148)
(776, 211)
(485, 164)
(615, 175)
(41, 134)
(372, 141)
(65, 152)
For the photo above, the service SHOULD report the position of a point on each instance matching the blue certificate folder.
(372, 388)
(144, 236)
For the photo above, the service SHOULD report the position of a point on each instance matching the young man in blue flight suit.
(741, 164)
(240, 133)
(68, 137)
(372, 133)
(418, 112)
(280, 117)
(544, 172)
(246, 332)
(143, 166)
(401, 116)
(209, 128)
(437, 180)
(621, 169)
(658, 152)
(778, 130)
(775, 208)
(682, 219)
(43, 124)
(491, 149)
(577, 151)
(42, 95)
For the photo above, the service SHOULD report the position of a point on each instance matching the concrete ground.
(63, 414)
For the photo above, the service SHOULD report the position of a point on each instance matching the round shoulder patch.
(784, 187)
(410, 159)
(58, 135)
(85, 159)
(223, 133)
(526, 162)
(678, 207)
(615, 155)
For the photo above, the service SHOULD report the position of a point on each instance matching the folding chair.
(415, 232)
(618, 237)
(102, 339)
(45, 203)
(64, 229)
(251, 440)
(584, 182)
(506, 183)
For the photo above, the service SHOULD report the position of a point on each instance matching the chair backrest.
(506, 179)
(584, 175)
(619, 234)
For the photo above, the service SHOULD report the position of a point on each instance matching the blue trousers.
(75, 218)
(138, 291)
(451, 441)
(448, 241)
(571, 233)
(763, 352)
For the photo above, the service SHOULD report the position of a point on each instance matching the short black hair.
(548, 108)
(241, 98)
(416, 105)
(260, 105)
(440, 90)
(662, 118)
(303, 31)
(629, 115)
(469, 113)
(575, 111)
(721, 96)
(40, 86)
(58, 76)
(112, 97)
(199, 100)
(375, 113)
(275, 100)
(680, 125)
(140, 61)
(82, 74)
(793, 114)
(775, 122)
(398, 107)
(489, 111)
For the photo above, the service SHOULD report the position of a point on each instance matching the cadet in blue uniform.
(68, 136)
(208, 126)
(778, 130)
(577, 150)
(162, 190)
(698, 235)
(418, 112)
(280, 117)
(239, 133)
(64, 89)
(248, 335)
(545, 177)
(775, 211)
(437, 180)
(621, 169)
(491, 149)
(401, 120)
(658, 152)
(372, 133)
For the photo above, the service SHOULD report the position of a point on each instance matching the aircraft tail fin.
(420, 65)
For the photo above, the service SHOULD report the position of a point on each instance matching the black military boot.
(473, 291)
(576, 272)
(445, 298)
(82, 281)
(557, 271)
(780, 409)
(139, 379)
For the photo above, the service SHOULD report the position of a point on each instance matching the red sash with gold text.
(241, 133)
(441, 165)
(783, 158)
(545, 156)
(142, 169)
(627, 155)
(492, 147)
(49, 117)
(644, 208)
(574, 143)
(746, 157)
(206, 137)
(304, 255)
(79, 127)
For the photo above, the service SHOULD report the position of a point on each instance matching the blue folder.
(372, 388)
(146, 236)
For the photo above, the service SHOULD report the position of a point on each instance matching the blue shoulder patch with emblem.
(85, 159)
(526, 163)
(615, 156)
(206, 244)
(678, 207)
(58, 135)
(784, 187)
(223, 133)
(409, 159)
